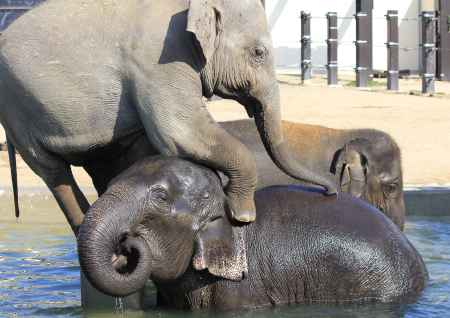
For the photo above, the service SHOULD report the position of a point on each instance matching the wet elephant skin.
(303, 248)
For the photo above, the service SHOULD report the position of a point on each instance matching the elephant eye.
(390, 188)
(259, 54)
(160, 194)
(206, 195)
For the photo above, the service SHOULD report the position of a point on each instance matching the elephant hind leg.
(70, 199)
(58, 177)
(54, 171)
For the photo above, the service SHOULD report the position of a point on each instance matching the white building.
(284, 21)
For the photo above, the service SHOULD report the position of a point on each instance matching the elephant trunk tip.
(126, 259)
(118, 271)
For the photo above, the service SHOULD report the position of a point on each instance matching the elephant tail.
(13, 167)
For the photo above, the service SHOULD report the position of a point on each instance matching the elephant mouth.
(251, 104)
(243, 97)
(250, 111)
(125, 258)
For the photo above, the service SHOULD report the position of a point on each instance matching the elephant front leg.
(230, 156)
(177, 122)
(196, 135)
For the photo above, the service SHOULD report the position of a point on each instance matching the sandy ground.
(421, 125)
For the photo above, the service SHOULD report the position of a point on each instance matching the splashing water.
(119, 308)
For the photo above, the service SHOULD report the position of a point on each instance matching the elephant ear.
(220, 249)
(204, 22)
(352, 167)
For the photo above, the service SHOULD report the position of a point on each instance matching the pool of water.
(39, 271)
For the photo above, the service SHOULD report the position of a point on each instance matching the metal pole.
(370, 12)
(362, 49)
(366, 6)
(428, 52)
(332, 42)
(443, 35)
(440, 25)
(306, 46)
(392, 50)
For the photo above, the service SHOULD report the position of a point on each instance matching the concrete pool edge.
(429, 200)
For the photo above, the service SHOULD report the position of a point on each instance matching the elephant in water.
(363, 162)
(165, 219)
(80, 77)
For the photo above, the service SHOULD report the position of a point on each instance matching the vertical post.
(306, 46)
(443, 52)
(392, 50)
(428, 52)
(366, 6)
(370, 11)
(439, 26)
(362, 49)
(332, 42)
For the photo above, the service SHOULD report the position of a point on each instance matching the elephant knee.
(211, 145)
(238, 159)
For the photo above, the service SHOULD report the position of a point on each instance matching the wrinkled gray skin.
(78, 77)
(171, 205)
(303, 247)
(363, 162)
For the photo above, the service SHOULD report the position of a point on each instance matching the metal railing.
(364, 47)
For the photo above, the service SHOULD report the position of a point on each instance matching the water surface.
(39, 271)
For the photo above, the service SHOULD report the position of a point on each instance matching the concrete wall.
(409, 32)
(429, 5)
(284, 20)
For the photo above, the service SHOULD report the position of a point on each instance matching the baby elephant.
(363, 162)
(165, 219)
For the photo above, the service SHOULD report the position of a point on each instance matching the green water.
(39, 271)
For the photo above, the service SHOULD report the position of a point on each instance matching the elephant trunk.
(114, 261)
(395, 210)
(268, 122)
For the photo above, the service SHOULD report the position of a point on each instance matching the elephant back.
(342, 249)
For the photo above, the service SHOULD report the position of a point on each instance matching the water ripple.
(39, 277)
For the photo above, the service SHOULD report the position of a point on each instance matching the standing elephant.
(78, 78)
(164, 219)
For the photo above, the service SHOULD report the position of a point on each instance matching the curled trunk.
(114, 261)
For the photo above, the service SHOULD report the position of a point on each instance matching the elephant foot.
(243, 211)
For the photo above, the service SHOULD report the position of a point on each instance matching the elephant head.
(235, 46)
(155, 219)
(372, 171)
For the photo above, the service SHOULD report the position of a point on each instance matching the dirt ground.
(420, 124)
